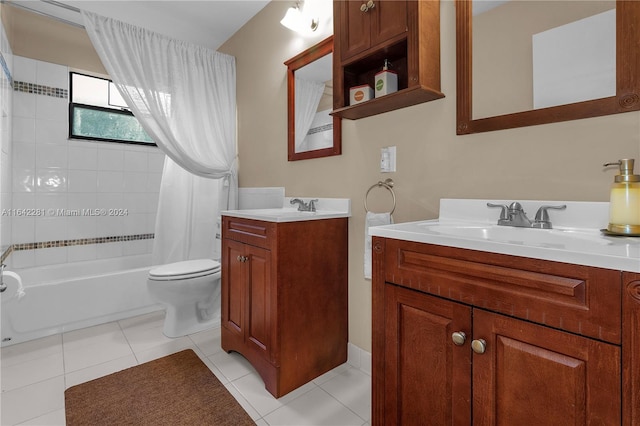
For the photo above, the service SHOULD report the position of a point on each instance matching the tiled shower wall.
(73, 200)
(6, 92)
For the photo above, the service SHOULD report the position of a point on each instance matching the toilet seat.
(184, 270)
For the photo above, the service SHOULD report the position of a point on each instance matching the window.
(98, 112)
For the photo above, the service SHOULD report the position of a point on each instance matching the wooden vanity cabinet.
(465, 337)
(404, 32)
(284, 297)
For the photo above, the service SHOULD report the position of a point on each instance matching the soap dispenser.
(386, 81)
(624, 206)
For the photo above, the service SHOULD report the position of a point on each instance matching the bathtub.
(60, 298)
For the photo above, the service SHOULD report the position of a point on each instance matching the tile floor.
(35, 374)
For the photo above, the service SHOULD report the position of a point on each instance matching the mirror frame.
(313, 53)
(627, 96)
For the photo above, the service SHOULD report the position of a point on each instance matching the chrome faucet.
(514, 215)
(305, 207)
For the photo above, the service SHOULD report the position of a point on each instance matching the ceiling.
(205, 22)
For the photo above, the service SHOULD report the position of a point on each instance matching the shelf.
(400, 99)
(405, 33)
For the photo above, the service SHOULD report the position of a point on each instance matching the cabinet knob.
(458, 338)
(367, 6)
(242, 258)
(479, 346)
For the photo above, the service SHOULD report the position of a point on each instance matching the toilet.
(190, 292)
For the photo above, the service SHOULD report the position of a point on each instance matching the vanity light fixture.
(297, 20)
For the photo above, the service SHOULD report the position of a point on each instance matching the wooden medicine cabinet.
(368, 33)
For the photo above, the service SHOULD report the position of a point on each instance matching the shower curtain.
(307, 98)
(184, 97)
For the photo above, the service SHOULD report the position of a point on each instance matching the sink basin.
(550, 238)
(285, 214)
(575, 237)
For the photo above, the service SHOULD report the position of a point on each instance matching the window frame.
(115, 110)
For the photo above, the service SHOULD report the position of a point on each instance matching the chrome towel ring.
(388, 184)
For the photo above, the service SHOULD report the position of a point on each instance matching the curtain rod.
(41, 13)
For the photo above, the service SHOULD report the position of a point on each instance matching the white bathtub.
(60, 298)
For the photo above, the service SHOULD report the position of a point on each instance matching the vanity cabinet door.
(233, 288)
(246, 294)
(427, 378)
(258, 296)
(530, 374)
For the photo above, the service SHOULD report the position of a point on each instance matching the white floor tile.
(208, 341)
(83, 348)
(35, 375)
(232, 365)
(352, 388)
(55, 418)
(331, 373)
(31, 371)
(251, 386)
(145, 338)
(314, 408)
(251, 411)
(90, 373)
(167, 348)
(30, 402)
(33, 349)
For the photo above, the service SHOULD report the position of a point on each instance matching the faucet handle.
(504, 213)
(542, 216)
(312, 205)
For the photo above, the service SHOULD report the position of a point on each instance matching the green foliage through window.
(100, 124)
(96, 113)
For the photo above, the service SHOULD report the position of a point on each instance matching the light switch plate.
(388, 159)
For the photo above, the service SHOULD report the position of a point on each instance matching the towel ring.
(388, 184)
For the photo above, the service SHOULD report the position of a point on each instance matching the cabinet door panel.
(259, 292)
(355, 36)
(233, 286)
(427, 377)
(388, 21)
(531, 374)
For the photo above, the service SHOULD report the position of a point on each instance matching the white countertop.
(326, 208)
(575, 237)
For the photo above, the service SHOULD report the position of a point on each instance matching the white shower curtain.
(184, 97)
(307, 98)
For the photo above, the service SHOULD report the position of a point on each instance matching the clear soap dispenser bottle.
(624, 206)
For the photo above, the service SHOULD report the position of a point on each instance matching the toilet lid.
(185, 269)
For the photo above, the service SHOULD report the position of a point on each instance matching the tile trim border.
(39, 89)
(75, 242)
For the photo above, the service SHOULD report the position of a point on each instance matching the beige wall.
(554, 162)
(38, 37)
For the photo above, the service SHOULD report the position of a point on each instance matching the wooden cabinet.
(364, 29)
(284, 297)
(247, 303)
(404, 32)
(464, 337)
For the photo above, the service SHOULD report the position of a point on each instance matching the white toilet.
(190, 292)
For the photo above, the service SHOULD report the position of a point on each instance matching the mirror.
(312, 131)
(523, 63)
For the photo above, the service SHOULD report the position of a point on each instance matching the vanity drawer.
(254, 232)
(579, 299)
